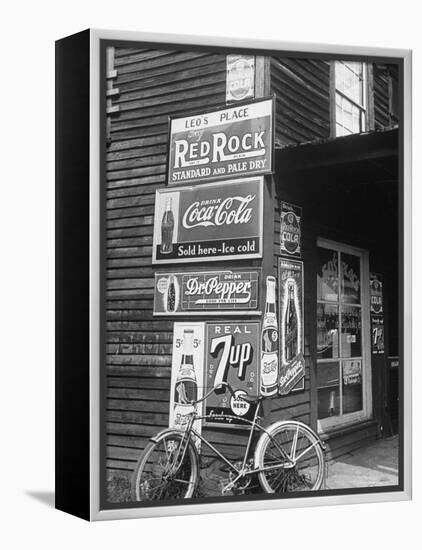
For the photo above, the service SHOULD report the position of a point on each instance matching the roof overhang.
(359, 158)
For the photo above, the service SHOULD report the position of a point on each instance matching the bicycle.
(288, 457)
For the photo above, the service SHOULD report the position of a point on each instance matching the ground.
(372, 466)
(375, 465)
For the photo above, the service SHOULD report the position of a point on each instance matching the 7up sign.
(232, 356)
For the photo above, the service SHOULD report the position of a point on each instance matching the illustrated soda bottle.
(167, 228)
(291, 337)
(170, 295)
(186, 387)
(269, 357)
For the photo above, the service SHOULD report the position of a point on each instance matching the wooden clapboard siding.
(385, 84)
(152, 85)
(303, 99)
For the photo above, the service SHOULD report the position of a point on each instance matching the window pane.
(355, 66)
(339, 74)
(351, 331)
(339, 130)
(350, 279)
(356, 120)
(352, 386)
(328, 389)
(347, 115)
(339, 111)
(327, 275)
(327, 331)
(350, 103)
(349, 83)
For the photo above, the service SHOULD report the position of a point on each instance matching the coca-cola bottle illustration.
(186, 387)
(167, 228)
(291, 340)
(269, 356)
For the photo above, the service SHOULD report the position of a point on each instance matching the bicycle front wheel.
(290, 458)
(167, 469)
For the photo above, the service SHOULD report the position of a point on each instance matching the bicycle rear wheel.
(167, 469)
(291, 459)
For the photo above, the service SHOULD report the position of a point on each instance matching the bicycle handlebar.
(248, 399)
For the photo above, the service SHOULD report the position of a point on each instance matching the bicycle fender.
(157, 436)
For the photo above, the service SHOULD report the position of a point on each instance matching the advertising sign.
(230, 142)
(187, 373)
(290, 230)
(377, 326)
(292, 362)
(352, 371)
(377, 313)
(211, 292)
(270, 342)
(209, 222)
(377, 306)
(232, 355)
(240, 79)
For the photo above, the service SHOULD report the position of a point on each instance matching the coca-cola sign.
(230, 142)
(292, 362)
(207, 292)
(232, 356)
(209, 222)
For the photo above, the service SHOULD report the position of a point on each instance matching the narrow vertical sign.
(269, 347)
(240, 77)
(377, 313)
(187, 373)
(290, 230)
(292, 362)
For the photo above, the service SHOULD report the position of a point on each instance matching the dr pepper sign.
(222, 144)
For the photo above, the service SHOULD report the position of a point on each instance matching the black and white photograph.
(252, 305)
(211, 263)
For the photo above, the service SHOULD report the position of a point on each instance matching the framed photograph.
(233, 267)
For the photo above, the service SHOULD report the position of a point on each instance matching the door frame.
(328, 424)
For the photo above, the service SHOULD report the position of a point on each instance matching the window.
(350, 97)
(343, 366)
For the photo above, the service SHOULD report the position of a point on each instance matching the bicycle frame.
(254, 426)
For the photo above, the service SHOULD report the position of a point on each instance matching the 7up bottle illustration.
(269, 357)
(186, 387)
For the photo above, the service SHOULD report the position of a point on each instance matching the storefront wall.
(145, 87)
(339, 215)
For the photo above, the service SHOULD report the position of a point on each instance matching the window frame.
(366, 108)
(326, 425)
